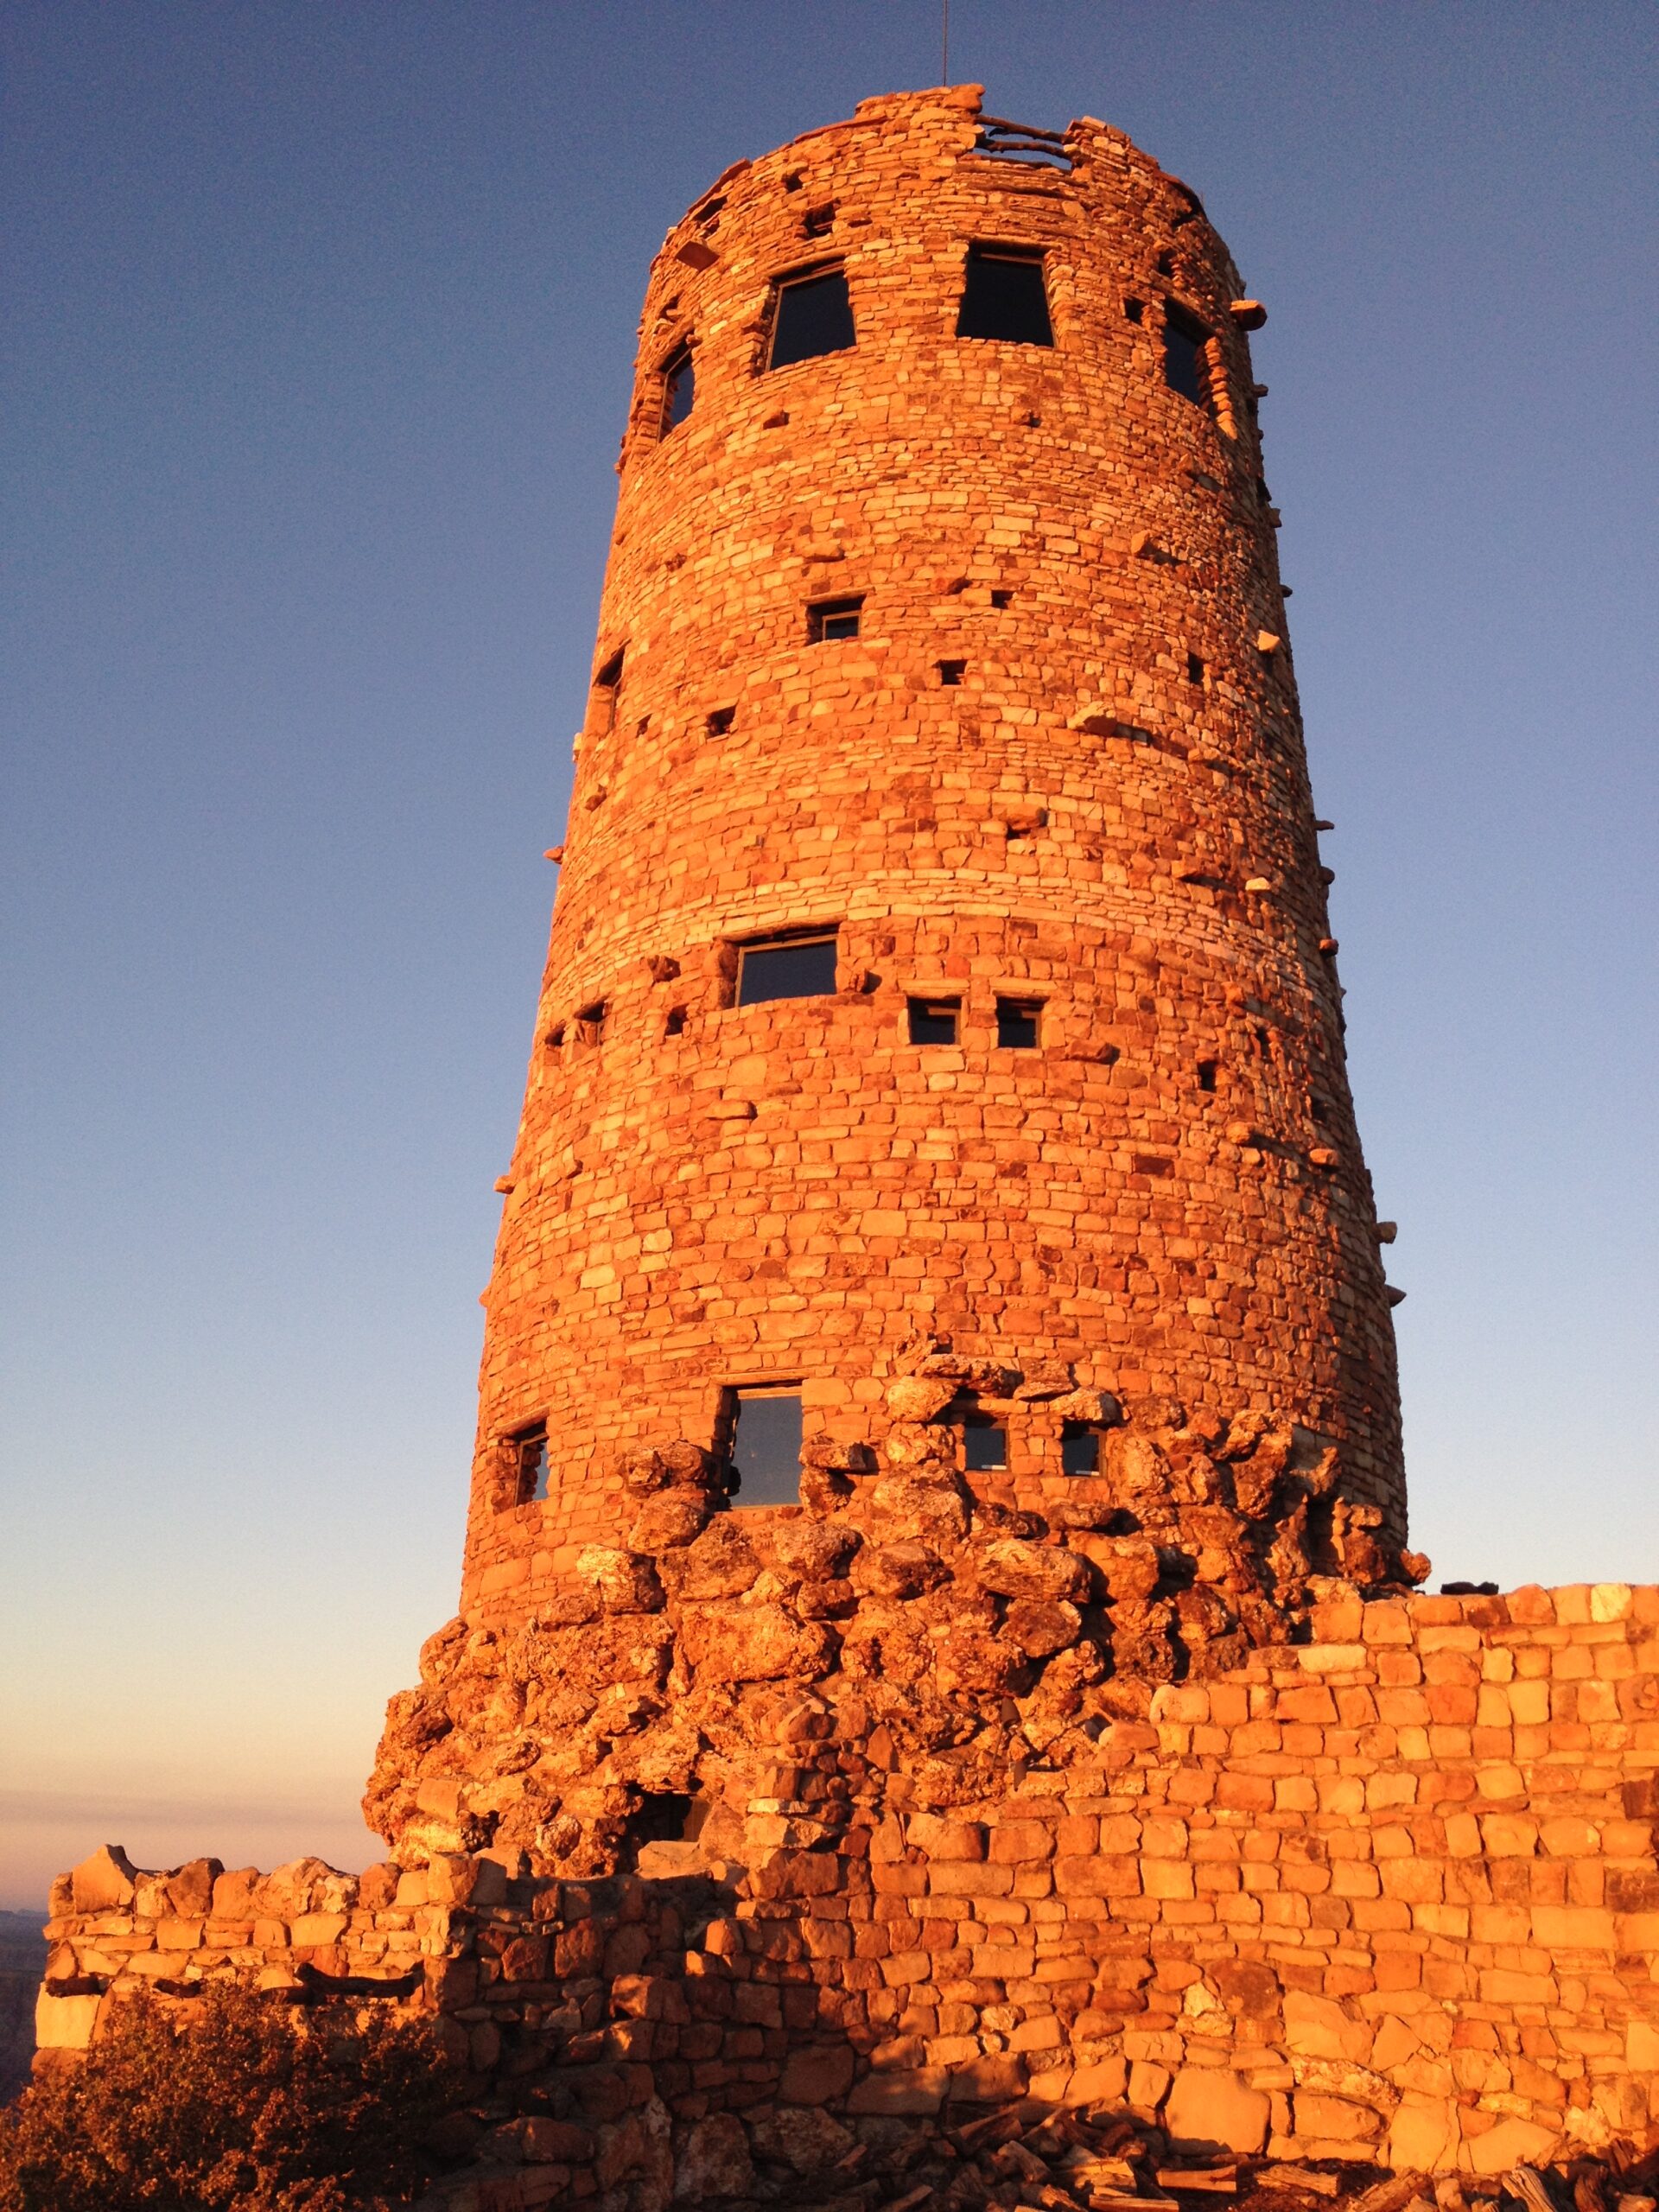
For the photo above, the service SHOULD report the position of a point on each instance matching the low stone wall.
(1389, 1894)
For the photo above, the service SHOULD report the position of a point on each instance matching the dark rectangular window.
(766, 1428)
(934, 1021)
(984, 1444)
(527, 1447)
(1079, 1448)
(721, 721)
(1002, 296)
(679, 387)
(1184, 368)
(590, 1022)
(831, 618)
(814, 316)
(787, 968)
(950, 673)
(1018, 1021)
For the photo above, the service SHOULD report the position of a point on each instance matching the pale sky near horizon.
(320, 328)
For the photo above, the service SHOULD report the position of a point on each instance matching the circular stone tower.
(940, 979)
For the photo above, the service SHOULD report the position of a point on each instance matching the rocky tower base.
(1386, 1895)
(959, 1631)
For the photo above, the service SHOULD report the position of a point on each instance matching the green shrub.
(235, 2100)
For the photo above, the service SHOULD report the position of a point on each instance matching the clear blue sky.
(321, 320)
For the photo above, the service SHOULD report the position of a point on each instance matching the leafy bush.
(235, 2101)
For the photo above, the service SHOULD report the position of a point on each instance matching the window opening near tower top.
(1003, 297)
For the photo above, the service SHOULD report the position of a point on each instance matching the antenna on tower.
(944, 5)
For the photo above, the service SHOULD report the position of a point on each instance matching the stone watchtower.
(935, 1632)
(939, 1054)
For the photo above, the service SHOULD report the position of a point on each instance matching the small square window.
(1018, 1024)
(765, 1429)
(1002, 598)
(1136, 310)
(984, 1445)
(1002, 296)
(679, 388)
(1079, 1448)
(814, 315)
(950, 673)
(830, 619)
(721, 721)
(675, 1026)
(817, 222)
(934, 1021)
(787, 968)
(590, 1022)
(527, 1448)
(1186, 368)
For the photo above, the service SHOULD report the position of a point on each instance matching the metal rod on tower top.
(944, 78)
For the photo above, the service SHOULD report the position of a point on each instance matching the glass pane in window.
(766, 1448)
(1002, 296)
(933, 1022)
(814, 316)
(1016, 1023)
(679, 389)
(794, 969)
(1079, 1449)
(984, 1444)
(1183, 364)
(532, 1466)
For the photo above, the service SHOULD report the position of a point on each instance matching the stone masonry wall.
(1106, 807)
(1388, 1894)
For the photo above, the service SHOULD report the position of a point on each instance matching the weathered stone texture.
(1388, 1896)
(791, 1190)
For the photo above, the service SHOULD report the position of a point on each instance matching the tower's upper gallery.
(897, 235)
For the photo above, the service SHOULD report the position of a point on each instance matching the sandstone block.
(1211, 2108)
(105, 1882)
(1015, 1568)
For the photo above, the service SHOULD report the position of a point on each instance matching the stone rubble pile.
(958, 1637)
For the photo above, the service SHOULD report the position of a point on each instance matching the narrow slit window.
(679, 388)
(1207, 1072)
(527, 1448)
(787, 968)
(1194, 668)
(1079, 1448)
(814, 315)
(1019, 1023)
(1185, 369)
(934, 1021)
(1002, 296)
(984, 1445)
(950, 673)
(765, 1447)
(608, 685)
(830, 619)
